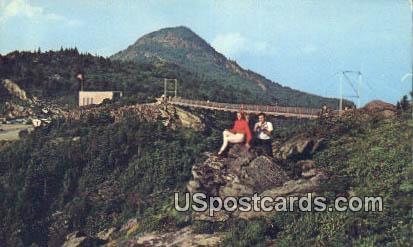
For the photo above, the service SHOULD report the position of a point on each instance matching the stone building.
(97, 97)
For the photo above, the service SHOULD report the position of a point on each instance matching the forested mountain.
(183, 47)
(51, 75)
(139, 71)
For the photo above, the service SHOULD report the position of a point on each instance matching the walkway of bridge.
(299, 112)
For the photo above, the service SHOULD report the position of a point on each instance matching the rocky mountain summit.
(184, 48)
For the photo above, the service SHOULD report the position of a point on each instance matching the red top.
(241, 126)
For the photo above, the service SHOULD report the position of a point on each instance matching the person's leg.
(236, 138)
(225, 135)
(268, 147)
(259, 146)
(229, 137)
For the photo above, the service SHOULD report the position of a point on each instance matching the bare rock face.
(297, 147)
(241, 173)
(14, 89)
(310, 183)
(169, 115)
(381, 108)
(183, 237)
(378, 105)
(175, 116)
(78, 239)
(244, 173)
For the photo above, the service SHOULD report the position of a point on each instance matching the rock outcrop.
(297, 147)
(169, 115)
(381, 108)
(14, 89)
(183, 237)
(244, 173)
(241, 173)
(309, 183)
(79, 239)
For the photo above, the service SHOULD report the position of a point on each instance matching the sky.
(303, 44)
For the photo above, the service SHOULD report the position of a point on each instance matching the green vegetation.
(51, 76)
(185, 49)
(68, 166)
(135, 166)
(365, 158)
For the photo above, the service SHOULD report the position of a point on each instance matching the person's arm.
(269, 128)
(256, 127)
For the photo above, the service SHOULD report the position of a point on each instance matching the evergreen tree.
(405, 105)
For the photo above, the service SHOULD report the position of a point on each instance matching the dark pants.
(265, 145)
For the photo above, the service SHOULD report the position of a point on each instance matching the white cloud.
(25, 9)
(232, 44)
(229, 43)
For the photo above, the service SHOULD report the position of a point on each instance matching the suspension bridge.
(297, 112)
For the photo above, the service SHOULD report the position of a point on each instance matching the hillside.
(113, 182)
(50, 77)
(184, 48)
(139, 71)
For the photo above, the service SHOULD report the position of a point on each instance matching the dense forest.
(51, 75)
(63, 166)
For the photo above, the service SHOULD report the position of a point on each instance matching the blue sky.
(298, 43)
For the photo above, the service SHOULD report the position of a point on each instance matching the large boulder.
(309, 183)
(244, 173)
(79, 239)
(378, 105)
(381, 108)
(241, 173)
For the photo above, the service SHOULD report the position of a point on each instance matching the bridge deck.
(299, 112)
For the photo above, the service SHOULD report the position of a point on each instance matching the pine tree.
(405, 105)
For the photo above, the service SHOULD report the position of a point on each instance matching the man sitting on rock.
(263, 129)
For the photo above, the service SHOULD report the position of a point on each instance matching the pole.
(411, 47)
(164, 88)
(176, 87)
(340, 108)
(358, 90)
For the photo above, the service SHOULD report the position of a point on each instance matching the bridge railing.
(257, 108)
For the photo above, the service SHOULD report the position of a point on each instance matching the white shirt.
(264, 126)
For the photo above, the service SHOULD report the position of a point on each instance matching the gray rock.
(298, 146)
(242, 173)
(79, 239)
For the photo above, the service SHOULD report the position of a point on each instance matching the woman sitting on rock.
(237, 134)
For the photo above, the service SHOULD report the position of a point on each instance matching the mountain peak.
(174, 37)
(183, 47)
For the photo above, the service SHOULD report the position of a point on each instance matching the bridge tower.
(354, 85)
